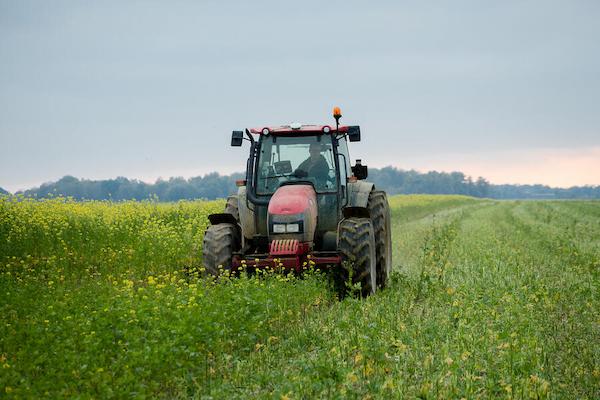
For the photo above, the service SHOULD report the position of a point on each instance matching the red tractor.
(302, 203)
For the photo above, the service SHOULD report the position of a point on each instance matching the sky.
(506, 90)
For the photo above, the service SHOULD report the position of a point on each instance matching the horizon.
(507, 92)
(151, 181)
(560, 172)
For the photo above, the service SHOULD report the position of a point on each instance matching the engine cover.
(292, 213)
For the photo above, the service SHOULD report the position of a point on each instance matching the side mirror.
(354, 133)
(360, 171)
(236, 138)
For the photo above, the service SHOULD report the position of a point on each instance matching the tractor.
(302, 203)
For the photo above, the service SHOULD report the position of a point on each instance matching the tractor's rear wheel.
(379, 211)
(232, 207)
(356, 244)
(220, 241)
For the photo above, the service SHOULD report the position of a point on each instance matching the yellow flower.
(544, 387)
(388, 384)
(358, 358)
(352, 377)
(369, 368)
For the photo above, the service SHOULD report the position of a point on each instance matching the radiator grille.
(284, 247)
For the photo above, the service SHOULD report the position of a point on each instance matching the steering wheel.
(300, 173)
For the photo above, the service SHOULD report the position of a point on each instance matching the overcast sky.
(509, 90)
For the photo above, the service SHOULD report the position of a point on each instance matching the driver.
(314, 166)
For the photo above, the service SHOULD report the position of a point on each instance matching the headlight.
(293, 228)
(278, 228)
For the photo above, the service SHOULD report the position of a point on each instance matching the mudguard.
(356, 212)
(246, 215)
(358, 193)
(222, 218)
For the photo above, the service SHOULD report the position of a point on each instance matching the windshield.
(295, 158)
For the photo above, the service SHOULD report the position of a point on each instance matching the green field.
(488, 299)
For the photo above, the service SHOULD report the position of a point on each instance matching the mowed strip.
(501, 302)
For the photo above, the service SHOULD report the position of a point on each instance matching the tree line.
(396, 181)
(214, 185)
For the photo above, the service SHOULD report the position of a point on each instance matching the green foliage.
(213, 186)
(210, 186)
(487, 300)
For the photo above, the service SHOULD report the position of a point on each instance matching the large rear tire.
(220, 241)
(356, 244)
(379, 211)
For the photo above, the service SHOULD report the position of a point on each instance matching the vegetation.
(213, 186)
(488, 300)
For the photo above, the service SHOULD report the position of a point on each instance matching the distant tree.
(482, 187)
(214, 185)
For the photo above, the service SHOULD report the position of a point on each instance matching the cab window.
(295, 158)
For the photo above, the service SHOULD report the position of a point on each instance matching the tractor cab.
(299, 155)
(298, 190)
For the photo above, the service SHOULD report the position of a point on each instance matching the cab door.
(344, 171)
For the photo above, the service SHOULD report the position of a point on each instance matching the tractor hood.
(292, 213)
(292, 199)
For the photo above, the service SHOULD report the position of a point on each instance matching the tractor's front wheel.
(220, 241)
(356, 244)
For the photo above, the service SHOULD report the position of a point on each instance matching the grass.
(488, 300)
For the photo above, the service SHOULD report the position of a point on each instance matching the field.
(488, 300)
